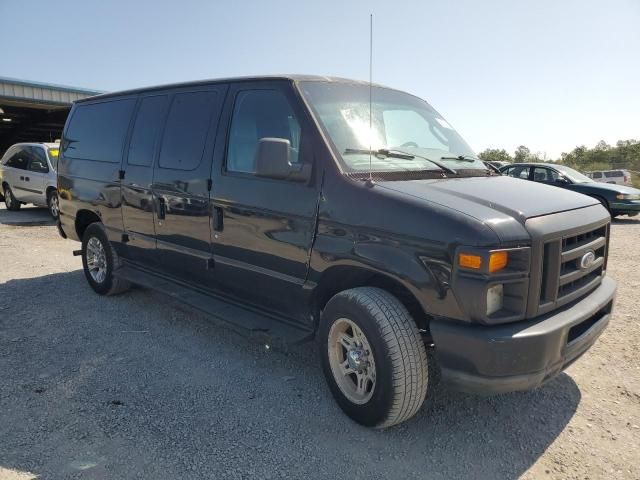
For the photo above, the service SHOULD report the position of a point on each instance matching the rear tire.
(10, 201)
(99, 261)
(368, 328)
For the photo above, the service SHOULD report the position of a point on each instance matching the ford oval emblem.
(587, 260)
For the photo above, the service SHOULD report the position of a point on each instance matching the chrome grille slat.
(577, 274)
(576, 252)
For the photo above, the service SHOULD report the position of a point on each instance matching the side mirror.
(273, 160)
(562, 181)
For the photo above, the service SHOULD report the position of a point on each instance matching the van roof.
(195, 83)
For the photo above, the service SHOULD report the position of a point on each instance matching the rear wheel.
(54, 204)
(10, 201)
(100, 260)
(373, 357)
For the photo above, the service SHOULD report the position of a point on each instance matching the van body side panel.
(371, 229)
(137, 198)
(93, 184)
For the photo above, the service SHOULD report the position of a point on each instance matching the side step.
(264, 329)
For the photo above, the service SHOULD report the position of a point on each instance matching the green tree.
(522, 154)
(495, 155)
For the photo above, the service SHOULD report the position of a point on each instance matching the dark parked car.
(270, 211)
(618, 199)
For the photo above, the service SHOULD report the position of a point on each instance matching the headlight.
(628, 196)
(495, 298)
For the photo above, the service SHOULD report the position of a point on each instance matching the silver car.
(28, 175)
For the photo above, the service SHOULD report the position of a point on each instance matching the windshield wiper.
(462, 158)
(399, 154)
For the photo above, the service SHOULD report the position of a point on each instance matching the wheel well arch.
(340, 278)
(601, 199)
(49, 189)
(84, 218)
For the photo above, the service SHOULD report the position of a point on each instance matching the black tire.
(109, 285)
(398, 350)
(53, 204)
(10, 201)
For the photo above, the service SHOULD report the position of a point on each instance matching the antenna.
(370, 92)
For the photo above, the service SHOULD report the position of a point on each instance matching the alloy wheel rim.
(351, 360)
(7, 198)
(96, 260)
(54, 205)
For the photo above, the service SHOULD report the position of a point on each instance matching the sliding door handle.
(162, 209)
(218, 221)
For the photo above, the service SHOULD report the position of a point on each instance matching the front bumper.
(521, 355)
(630, 207)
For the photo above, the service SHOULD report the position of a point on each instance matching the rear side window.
(97, 131)
(19, 159)
(185, 133)
(518, 172)
(146, 129)
(259, 114)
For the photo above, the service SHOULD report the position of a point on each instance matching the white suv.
(28, 175)
(619, 177)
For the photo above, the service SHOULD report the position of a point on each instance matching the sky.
(548, 74)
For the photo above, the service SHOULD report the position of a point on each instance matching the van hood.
(493, 200)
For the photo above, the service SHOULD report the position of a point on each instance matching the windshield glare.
(399, 122)
(573, 175)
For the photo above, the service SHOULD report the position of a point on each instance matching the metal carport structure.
(33, 111)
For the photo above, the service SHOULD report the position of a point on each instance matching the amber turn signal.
(497, 261)
(470, 261)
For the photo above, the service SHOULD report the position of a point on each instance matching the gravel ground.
(140, 386)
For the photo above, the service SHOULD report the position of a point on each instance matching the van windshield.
(406, 133)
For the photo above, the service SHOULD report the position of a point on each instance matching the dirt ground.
(140, 386)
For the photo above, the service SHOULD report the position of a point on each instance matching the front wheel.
(53, 204)
(10, 201)
(373, 357)
(99, 260)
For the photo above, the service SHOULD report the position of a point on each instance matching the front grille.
(572, 266)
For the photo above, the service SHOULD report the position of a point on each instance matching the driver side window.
(545, 175)
(260, 114)
(38, 162)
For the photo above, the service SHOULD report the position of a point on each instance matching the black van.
(292, 208)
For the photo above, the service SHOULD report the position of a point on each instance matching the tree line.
(625, 154)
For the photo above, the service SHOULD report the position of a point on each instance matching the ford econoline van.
(293, 208)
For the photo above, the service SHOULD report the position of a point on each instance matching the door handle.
(162, 209)
(26, 179)
(218, 224)
(21, 177)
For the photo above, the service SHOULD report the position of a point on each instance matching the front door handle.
(26, 179)
(22, 177)
(162, 209)
(218, 223)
